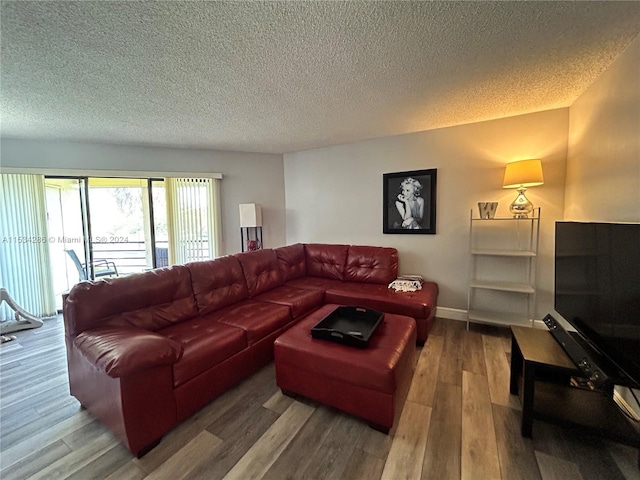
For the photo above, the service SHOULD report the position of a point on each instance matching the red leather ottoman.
(371, 383)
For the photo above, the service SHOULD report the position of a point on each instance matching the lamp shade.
(250, 215)
(524, 173)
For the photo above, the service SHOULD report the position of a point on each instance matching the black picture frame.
(423, 201)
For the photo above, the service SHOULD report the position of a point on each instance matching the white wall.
(248, 177)
(603, 166)
(334, 194)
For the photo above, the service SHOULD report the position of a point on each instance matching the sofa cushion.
(217, 283)
(292, 261)
(371, 265)
(418, 304)
(314, 283)
(299, 300)
(150, 300)
(256, 319)
(261, 270)
(325, 260)
(206, 343)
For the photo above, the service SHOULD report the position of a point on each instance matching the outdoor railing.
(129, 257)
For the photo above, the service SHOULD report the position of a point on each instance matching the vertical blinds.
(193, 219)
(25, 262)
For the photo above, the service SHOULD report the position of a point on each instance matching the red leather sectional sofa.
(148, 350)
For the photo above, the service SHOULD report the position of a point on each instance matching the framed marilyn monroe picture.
(409, 202)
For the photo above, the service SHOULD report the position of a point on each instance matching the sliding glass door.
(120, 221)
(103, 227)
(97, 227)
(68, 232)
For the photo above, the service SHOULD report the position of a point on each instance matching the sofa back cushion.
(325, 260)
(217, 283)
(261, 270)
(149, 300)
(371, 264)
(292, 261)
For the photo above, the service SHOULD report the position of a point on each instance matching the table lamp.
(521, 175)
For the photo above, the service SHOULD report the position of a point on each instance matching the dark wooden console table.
(541, 372)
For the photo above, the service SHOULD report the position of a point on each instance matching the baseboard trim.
(451, 313)
(459, 314)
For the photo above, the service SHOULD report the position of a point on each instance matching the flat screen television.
(597, 289)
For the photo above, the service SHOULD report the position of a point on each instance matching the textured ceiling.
(286, 76)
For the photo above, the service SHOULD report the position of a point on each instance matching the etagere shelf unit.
(502, 269)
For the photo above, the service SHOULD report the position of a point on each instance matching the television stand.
(541, 369)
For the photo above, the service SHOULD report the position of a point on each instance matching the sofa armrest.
(123, 351)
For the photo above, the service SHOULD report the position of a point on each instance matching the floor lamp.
(250, 226)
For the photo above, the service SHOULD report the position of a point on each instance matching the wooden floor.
(459, 421)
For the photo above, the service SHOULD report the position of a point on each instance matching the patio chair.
(101, 267)
(162, 257)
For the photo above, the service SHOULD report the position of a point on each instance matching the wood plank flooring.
(459, 421)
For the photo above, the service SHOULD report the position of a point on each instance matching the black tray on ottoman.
(351, 326)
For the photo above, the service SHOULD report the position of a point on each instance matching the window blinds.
(193, 219)
(25, 262)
